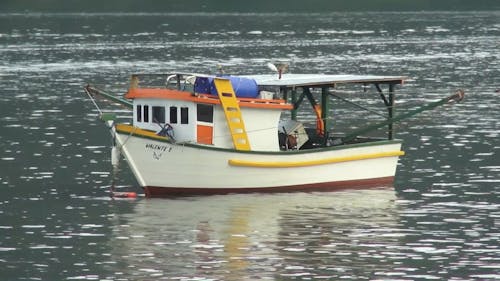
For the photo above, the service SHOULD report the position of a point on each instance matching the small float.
(193, 134)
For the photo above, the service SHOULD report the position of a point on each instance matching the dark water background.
(441, 221)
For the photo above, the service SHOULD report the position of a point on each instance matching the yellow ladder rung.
(232, 112)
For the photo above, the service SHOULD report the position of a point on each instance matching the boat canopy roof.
(299, 80)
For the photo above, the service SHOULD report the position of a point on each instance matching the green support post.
(390, 129)
(325, 107)
(294, 100)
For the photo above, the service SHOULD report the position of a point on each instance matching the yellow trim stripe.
(289, 164)
(124, 128)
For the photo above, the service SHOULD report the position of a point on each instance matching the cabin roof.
(297, 80)
(169, 94)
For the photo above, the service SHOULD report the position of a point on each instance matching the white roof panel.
(292, 80)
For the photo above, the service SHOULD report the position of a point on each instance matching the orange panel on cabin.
(204, 134)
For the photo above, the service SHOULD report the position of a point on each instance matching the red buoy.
(124, 194)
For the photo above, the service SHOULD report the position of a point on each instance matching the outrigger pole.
(92, 90)
(457, 97)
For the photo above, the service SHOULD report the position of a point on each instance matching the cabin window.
(205, 113)
(139, 113)
(173, 115)
(146, 113)
(184, 115)
(159, 114)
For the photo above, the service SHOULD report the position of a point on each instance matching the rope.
(87, 91)
(357, 105)
(128, 137)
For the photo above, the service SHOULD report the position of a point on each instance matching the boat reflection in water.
(242, 237)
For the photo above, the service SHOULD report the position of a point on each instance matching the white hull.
(163, 168)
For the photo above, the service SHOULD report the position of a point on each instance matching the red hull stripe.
(155, 191)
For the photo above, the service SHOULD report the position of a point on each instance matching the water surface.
(440, 221)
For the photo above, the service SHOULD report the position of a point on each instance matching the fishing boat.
(193, 134)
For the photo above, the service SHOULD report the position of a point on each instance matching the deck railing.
(161, 80)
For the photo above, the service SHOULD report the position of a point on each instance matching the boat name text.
(158, 150)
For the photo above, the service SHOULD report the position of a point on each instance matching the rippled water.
(441, 220)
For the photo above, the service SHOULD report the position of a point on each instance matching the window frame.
(158, 113)
(138, 113)
(204, 113)
(145, 112)
(184, 115)
(173, 112)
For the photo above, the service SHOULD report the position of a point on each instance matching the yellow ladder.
(233, 113)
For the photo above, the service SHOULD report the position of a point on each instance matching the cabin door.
(205, 123)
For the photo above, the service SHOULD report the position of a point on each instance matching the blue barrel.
(202, 85)
(243, 87)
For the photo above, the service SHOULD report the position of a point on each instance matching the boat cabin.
(241, 112)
